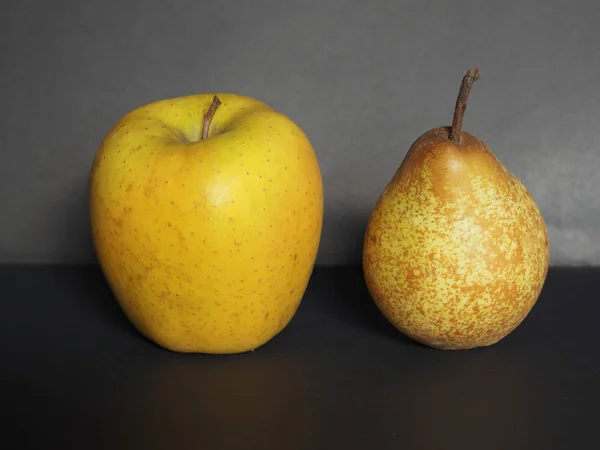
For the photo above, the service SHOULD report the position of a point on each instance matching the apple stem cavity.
(209, 116)
(471, 77)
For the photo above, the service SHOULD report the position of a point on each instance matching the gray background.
(363, 79)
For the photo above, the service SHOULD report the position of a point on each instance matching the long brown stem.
(209, 116)
(461, 104)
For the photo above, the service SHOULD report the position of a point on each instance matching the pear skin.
(456, 250)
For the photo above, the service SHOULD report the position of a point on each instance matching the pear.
(456, 250)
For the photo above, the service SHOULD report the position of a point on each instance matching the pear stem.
(471, 77)
(209, 116)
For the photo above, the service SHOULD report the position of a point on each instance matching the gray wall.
(362, 78)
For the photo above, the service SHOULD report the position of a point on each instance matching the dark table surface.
(76, 374)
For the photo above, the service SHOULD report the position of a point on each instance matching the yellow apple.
(206, 215)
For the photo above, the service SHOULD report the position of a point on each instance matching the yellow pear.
(456, 251)
(206, 215)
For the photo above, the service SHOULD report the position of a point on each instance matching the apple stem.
(209, 115)
(471, 77)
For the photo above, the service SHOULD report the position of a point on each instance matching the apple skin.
(207, 245)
